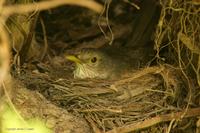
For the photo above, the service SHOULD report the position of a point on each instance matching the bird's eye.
(94, 59)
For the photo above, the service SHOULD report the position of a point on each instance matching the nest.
(105, 104)
(152, 99)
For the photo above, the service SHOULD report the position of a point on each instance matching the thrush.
(102, 64)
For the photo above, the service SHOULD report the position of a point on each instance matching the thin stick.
(44, 5)
(138, 74)
(45, 39)
(156, 120)
(27, 43)
(4, 51)
(93, 125)
(133, 4)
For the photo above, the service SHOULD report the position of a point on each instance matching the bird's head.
(90, 63)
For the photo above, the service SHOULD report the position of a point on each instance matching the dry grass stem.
(44, 5)
(156, 96)
(156, 120)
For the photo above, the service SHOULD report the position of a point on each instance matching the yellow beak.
(74, 59)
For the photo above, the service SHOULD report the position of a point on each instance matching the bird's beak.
(74, 59)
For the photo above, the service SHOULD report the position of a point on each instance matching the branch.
(156, 120)
(44, 5)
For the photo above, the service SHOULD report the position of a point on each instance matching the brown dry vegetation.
(162, 95)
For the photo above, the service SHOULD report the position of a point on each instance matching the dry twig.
(44, 5)
(156, 120)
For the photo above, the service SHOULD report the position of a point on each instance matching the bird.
(102, 63)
